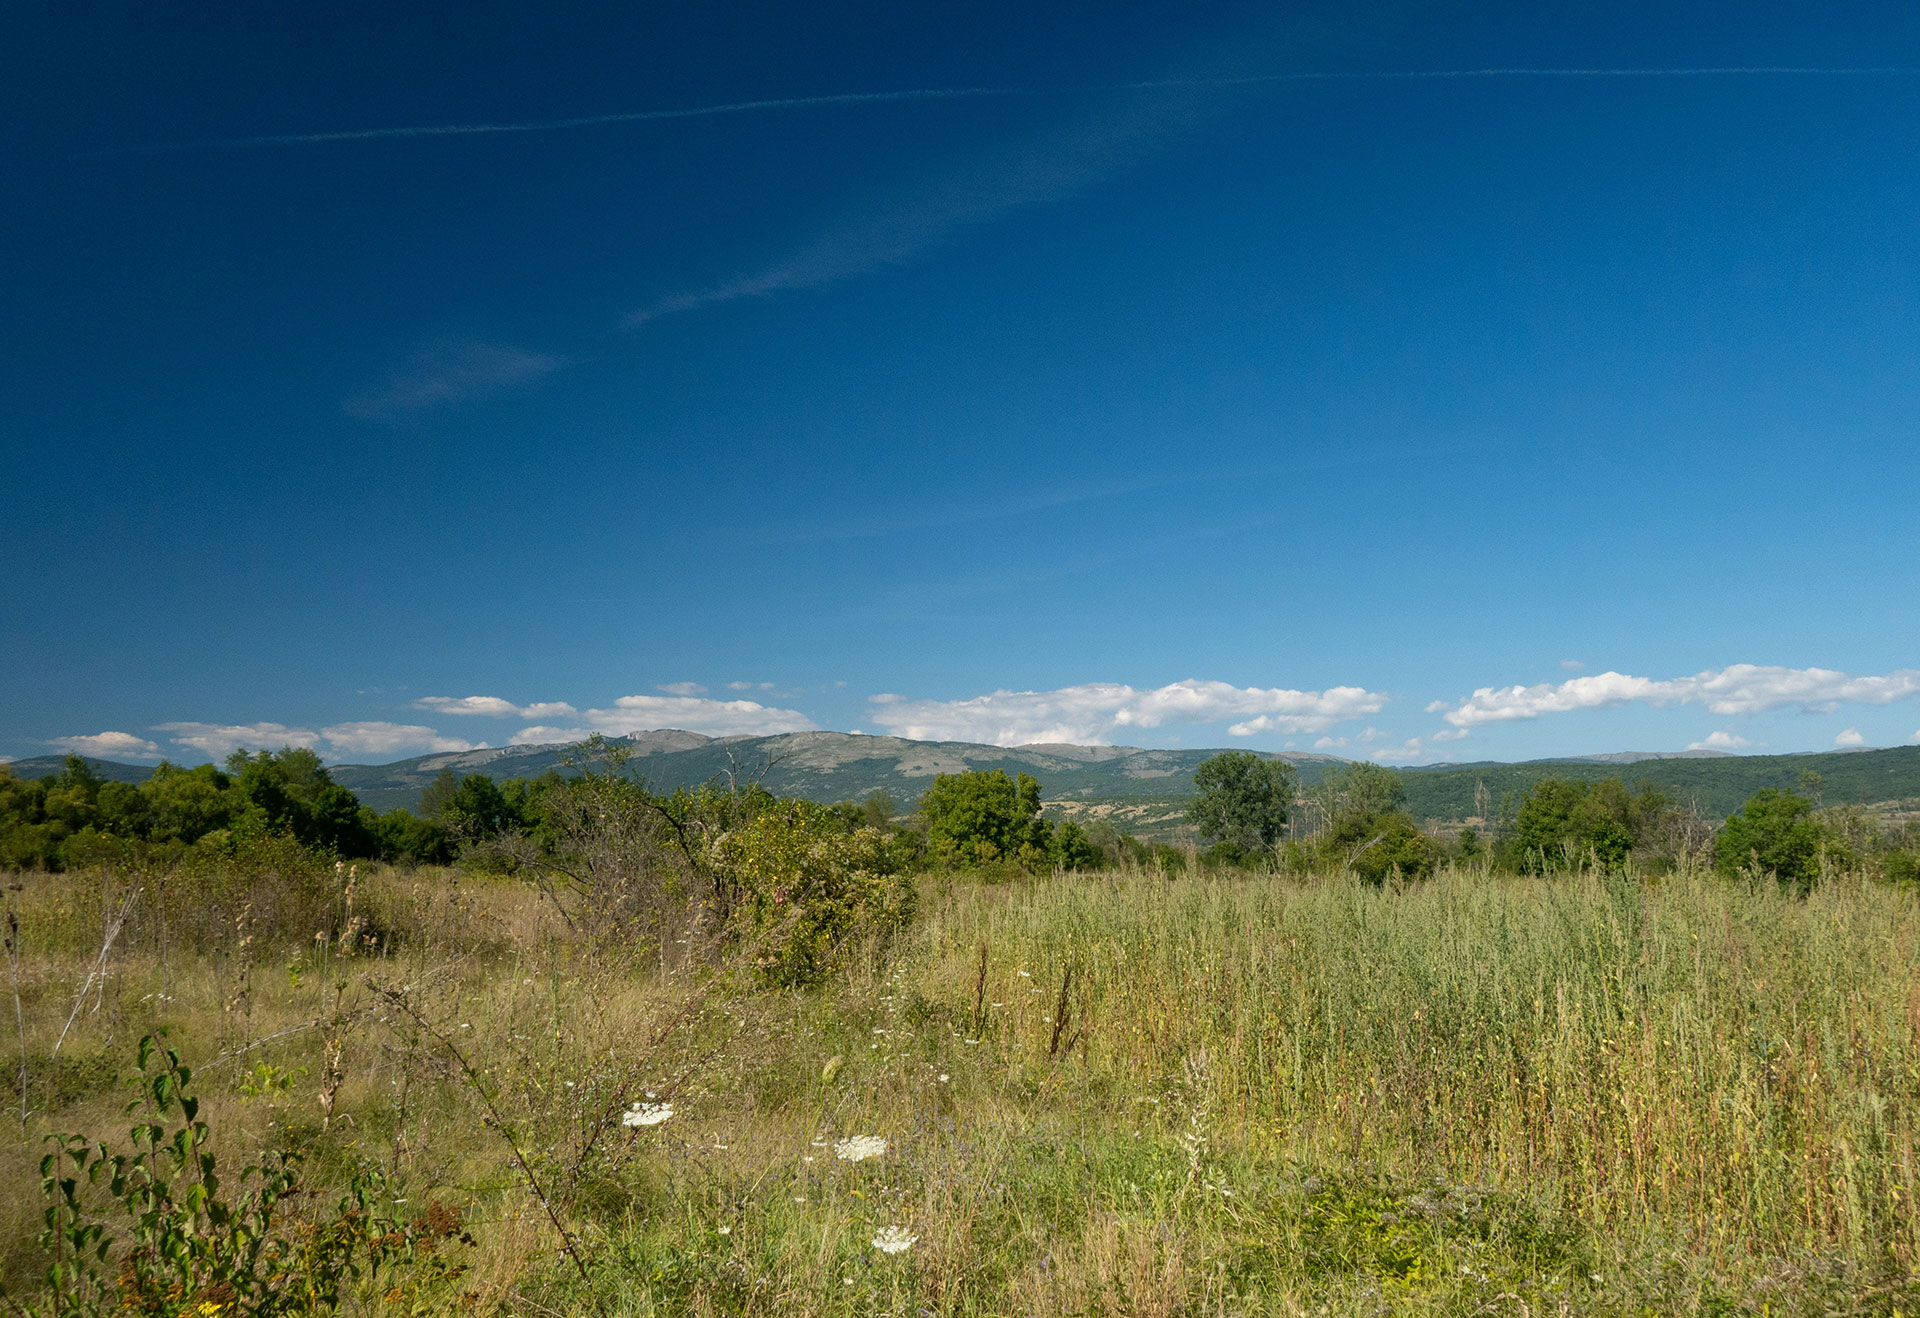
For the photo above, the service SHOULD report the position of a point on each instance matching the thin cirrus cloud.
(1098, 712)
(1736, 689)
(451, 371)
(495, 707)
(968, 93)
(108, 745)
(1046, 166)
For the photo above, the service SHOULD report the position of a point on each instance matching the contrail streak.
(971, 93)
(591, 120)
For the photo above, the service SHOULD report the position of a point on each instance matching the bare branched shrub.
(622, 866)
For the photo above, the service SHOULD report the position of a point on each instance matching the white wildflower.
(858, 1148)
(646, 1114)
(893, 1240)
(725, 1230)
(943, 1077)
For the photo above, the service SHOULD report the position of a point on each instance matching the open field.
(1118, 1093)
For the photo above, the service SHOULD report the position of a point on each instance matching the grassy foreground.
(1112, 1094)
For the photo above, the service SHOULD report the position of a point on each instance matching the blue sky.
(1110, 382)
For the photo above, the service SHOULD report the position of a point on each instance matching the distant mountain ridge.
(839, 766)
(822, 766)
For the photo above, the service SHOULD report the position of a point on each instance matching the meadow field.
(1125, 1092)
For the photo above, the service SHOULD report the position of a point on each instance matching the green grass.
(1482, 1095)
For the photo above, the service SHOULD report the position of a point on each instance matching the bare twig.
(115, 923)
(19, 1016)
(496, 1119)
(1061, 1012)
(980, 992)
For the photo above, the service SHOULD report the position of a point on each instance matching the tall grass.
(1736, 1067)
(1236, 1094)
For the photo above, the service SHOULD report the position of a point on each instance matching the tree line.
(1248, 810)
(1253, 810)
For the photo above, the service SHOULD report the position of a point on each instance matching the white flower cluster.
(893, 1240)
(858, 1148)
(646, 1114)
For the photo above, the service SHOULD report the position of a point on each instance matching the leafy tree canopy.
(1243, 799)
(982, 817)
(1777, 833)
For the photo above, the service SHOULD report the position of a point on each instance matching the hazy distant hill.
(825, 766)
(839, 766)
(45, 766)
(1718, 784)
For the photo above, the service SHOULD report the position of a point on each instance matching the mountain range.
(839, 766)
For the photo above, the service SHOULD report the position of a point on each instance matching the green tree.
(1073, 849)
(1242, 798)
(477, 809)
(878, 810)
(981, 817)
(1776, 833)
(185, 805)
(1377, 846)
(438, 793)
(1562, 824)
(291, 790)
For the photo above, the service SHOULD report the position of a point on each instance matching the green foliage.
(478, 810)
(878, 810)
(1563, 824)
(1073, 849)
(1715, 785)
(804, 885)
(76, 819)
(1364, 788)
(1379, 846)
(1777, 833)
(183, 1241)
(983, 818)
(1242, 799)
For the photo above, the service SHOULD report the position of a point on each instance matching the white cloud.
(544, 736)
(752, 686)
(715, 718)
(220, 740)
(1449, 734)
(1411, 749)
(1572, 665)
(1329, 743)
(451, 372)
(495, 707)
(1097, 712)
(1369, 735)
(1850, 737)
(1725, 739)
(389, 738)
(1737, 689)
(683, 689)
(105, 745)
